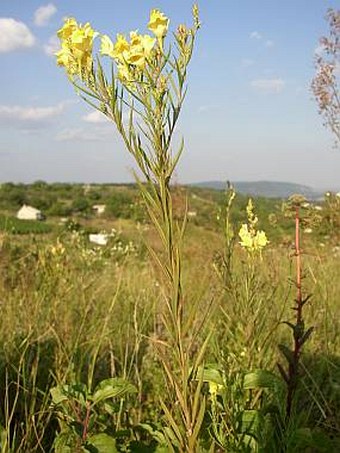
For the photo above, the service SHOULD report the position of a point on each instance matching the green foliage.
(82, 415)
(80, 205)
(13, 225)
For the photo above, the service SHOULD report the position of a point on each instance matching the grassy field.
(81, 325)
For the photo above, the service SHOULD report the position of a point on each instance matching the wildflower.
(124, 74)
(121, 48)
(148, 44)
(158, 23)
(67, 29)
(107, 46)
(140, 49)
(214, 388)
(76, 48)
(252, 240)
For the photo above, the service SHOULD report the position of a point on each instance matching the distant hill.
(270, 189)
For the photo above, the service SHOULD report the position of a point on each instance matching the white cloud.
(19, 117)
(95, 117)
(83, 134)
(255, 35)
(14, 35)
(52, 46)
(259, 37)
(268, 85)
(269, 43)
(43, 14)
(30, 113)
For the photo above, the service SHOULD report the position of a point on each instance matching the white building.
(99, 208)
(99, 239)
(29, 213)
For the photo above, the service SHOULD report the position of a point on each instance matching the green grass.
(70, 310)
(10, 224)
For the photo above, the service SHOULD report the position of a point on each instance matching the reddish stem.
(293, 368)
(86, 421)
(298, 266)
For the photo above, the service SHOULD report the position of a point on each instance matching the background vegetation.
(75, 313)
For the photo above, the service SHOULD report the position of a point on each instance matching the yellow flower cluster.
(252, 240)
(76, 48)
(133, 55)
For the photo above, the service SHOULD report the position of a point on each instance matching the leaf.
(58, 395)
(306, 335)
(112, 388)
(157, 435)
(211, 374)
(69, 392)
(65, 442)
(3, 438)
(251, 422)
(287, 353)
(101, 443)
(261, 379)
(283, 373)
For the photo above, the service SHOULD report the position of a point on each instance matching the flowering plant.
(252, 239)
(143, 93)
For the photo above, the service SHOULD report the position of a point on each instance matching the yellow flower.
(140, 48)
(106, 46)
(136, 56)
(245, 236)
(158, 23)
(76, 48)
(148, 44)
(121, 48)
(252, 218)
(81, 39)
(135, 39)
(215, 388)
(124, 74)
(67, 29)
(260, 240)
(251, 240)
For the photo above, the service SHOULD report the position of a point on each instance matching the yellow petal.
(158, 23)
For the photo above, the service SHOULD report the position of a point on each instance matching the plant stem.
(86, 421)
(293, 369)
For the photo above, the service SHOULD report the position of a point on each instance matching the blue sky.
(249, 113)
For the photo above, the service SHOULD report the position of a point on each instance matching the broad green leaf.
(261, 379)
(101, 443)
(58, 395)
(211, 374)
(157, 435)
(66, 392)
(112, 388)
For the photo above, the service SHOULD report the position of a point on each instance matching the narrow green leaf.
(306, 335)
(287, 353)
